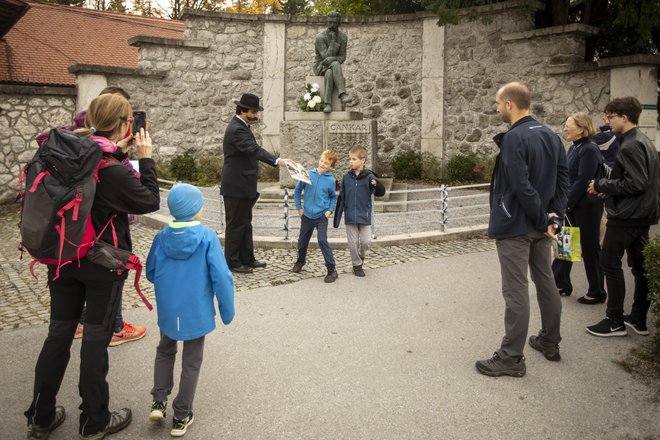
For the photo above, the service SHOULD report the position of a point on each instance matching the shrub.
(431, 167)
(470, 168)
(652, 266)
(183, 167)
(268, 173)
(407, 164)
(209, 170)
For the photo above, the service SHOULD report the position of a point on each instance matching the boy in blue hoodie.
(188, 269)
(318, 207)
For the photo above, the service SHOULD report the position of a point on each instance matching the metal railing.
(409, 210)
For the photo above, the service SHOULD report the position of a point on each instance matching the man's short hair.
(628, 105)
(113, 90)
(330, 155)
(517, 93)
(334, 14)
(240, 110)
(359, 151)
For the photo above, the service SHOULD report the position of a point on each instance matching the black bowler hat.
(250, 102)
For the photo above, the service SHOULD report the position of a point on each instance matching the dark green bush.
(652, 266)
(431, 167)
(470, 168)
(407, 164)
(209, 170)
(183, 167)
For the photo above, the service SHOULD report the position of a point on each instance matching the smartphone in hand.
(139, 121)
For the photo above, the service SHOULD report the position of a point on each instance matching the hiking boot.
(496, 366)
(607, 328)
(118, 421)
(549, 350)
(79, 331)
(127, 334)
(639, 328)
(298, 266)
(157, 411)
(358, 271)
(42, 432)
(331, 276)
(180, 426)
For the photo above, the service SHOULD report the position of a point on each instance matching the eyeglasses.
(609, 117)
(128, 119)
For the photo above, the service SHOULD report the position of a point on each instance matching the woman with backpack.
(118, 192)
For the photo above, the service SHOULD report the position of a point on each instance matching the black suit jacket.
(241, 161)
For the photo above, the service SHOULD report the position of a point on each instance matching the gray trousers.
(515, 255)
(193, 354)
(358, 238)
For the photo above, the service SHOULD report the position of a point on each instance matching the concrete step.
(390, 198)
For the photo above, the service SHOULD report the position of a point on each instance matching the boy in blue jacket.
(318, 207)
(188, 268)
(357, 186)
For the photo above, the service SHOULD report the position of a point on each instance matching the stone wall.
(25, 112)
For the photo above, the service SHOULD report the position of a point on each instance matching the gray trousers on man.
(193, 354)
(515, 255)
(358, 238)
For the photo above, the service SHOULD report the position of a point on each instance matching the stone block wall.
(24, 113)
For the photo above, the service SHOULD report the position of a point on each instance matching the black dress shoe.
(256, 264)
(588, 299)
(241, 269)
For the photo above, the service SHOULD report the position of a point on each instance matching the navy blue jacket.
(529, 181)
(584, 162)
(355, 194)
(608, 142)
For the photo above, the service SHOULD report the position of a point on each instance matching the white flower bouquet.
(311, 101)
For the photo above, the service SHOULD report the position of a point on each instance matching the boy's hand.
(373, 182)
(327, 214)
(300, 213)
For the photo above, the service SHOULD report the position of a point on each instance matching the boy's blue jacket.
(530, 180)
(187, 267)
(355, 196)
(319, 196)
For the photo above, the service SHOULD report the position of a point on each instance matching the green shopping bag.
(567, 246)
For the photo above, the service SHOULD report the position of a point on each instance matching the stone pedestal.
(304, 136)
(336, 102)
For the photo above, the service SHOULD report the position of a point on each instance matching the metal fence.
(419, 209)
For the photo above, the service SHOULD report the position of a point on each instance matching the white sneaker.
(180, 426)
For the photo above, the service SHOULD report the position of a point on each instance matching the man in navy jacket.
(238, 186)
(528, 199)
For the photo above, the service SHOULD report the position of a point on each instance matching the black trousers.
(239, 248)
(101, 290)
(587, 218)
(631, 240)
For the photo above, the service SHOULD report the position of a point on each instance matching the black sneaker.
(118, 421)
(496, 366)
(331, 276)
(358, 271)
(550, 351)
(298, 266)
(180, 426)
(639, 328)
(607, 328)
(42, 432)
(157, 411)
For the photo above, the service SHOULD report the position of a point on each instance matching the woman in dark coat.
(584, 163)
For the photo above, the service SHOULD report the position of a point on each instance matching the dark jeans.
(119, 320)
(617, 241)
(587, 218)
(239, 249)
(307, 226)
(101, 290)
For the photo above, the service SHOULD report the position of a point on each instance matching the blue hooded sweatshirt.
(319, 196)
(187, 267)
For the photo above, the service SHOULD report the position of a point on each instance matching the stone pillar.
(306, 134)
(273, 85)
(637, 75)
(89, 86)
(433, 68)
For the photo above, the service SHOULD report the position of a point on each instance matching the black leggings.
(101, 290)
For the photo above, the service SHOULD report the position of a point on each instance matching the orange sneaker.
(127, 334)
(79, 331)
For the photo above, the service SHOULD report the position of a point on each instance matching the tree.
(368, 7)
(292, 7)
(253, 6)
(67, 2)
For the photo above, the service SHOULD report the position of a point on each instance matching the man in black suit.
(238, 185)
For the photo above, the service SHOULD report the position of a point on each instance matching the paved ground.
(388, 356)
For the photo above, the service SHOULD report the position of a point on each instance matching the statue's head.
(333, 20)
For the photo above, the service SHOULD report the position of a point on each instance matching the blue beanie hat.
(184, 201)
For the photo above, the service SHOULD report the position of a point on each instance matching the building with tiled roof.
(40, 41)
